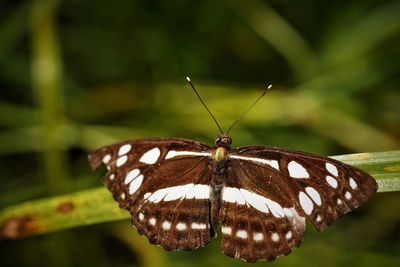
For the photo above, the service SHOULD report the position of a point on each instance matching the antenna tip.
(269, 86)
(187, 78)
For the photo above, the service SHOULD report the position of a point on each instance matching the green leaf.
(383, 166)
(96, 205)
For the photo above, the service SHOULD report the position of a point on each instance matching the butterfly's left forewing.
(164, 184)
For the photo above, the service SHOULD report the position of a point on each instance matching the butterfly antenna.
(249, 108)
(202, 102)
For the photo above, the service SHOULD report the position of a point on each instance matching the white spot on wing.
(273, 163)
(347, 195)
(123, 196)
(112, 176)
(151, 156)
(173, 154)
(352, 183)
(297, 171)
(152, 221)
(199, 226)
(258, 237)
(332, 169)
(106, 158)
(146, 195)
(166, 225)
(121, 160)
(331, 181)
(306, 203)
(275, 237)
(124, 149)
(141, 216)
(319, 218)
(314, 195)
(181, 226)
(226, 230)
(131, 175)
(134, 186)
(241, 234)
(289, 235)
(339, 201)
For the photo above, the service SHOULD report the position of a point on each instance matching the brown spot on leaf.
(65, 207)
(17, 227)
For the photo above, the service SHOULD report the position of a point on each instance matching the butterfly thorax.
(220, 154)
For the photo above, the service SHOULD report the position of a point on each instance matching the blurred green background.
(75, 75)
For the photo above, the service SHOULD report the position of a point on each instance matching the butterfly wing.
(163, 183)
(258, 218)
(270, 191)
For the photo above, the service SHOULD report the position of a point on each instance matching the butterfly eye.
(218, 141)
(229, 140)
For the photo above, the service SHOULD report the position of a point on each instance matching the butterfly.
(180, 191)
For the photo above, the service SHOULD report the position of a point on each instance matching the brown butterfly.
(178, 191)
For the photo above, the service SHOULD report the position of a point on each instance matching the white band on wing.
(241, 196)
(273, 163)
(186, 191)
(173, 154)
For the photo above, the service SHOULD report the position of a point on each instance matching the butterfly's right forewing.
(323, 189)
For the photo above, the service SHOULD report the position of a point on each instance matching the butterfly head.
(223, 140)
